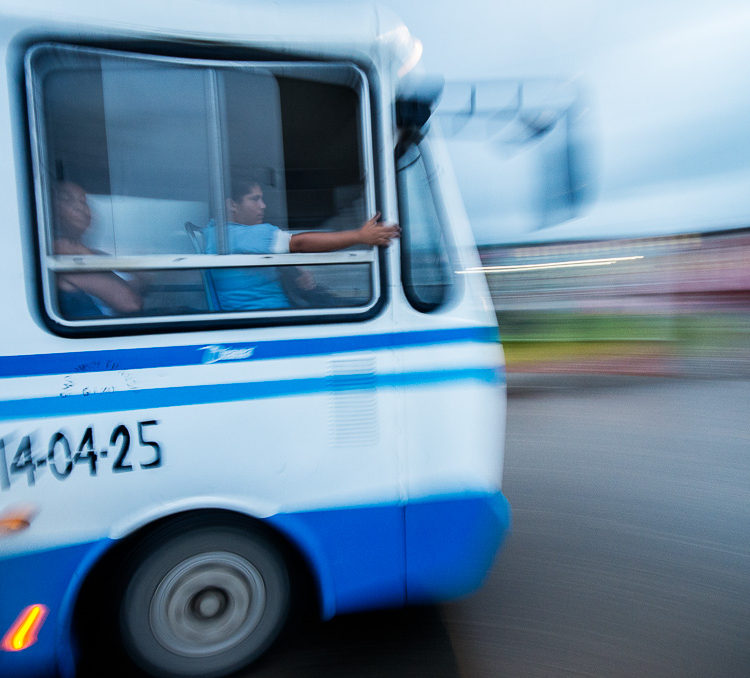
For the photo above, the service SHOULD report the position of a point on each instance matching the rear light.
(25, 629)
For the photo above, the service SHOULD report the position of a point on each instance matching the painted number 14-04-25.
(62, 455)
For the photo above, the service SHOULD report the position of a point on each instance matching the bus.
(180, 464)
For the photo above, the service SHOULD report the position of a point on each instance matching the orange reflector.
(16, 518)
(13, 524)
(25, 629)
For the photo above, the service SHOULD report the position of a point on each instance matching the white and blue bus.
(178, 466)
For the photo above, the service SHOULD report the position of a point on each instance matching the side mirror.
(416, 100)
(543, 118)
(504, 111)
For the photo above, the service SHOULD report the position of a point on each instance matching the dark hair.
(241, 185)
(58, 185)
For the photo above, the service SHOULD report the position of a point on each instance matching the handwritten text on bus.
(64, 453)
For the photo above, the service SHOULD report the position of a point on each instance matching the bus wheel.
(203, 602)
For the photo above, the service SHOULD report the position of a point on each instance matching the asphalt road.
(630, 551)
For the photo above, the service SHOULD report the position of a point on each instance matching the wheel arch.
(94, 578)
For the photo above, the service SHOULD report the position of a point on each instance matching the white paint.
(268, 454)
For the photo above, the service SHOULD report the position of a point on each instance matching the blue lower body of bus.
(417, 552)
(363, 558)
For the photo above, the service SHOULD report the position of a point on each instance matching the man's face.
(250, 209)
(71, 210)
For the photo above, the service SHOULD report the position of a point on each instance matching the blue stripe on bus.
(117, 401)
(174, 356)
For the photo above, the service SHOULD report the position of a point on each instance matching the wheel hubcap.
(207, 604)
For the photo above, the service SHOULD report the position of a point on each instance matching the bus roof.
(328, 28)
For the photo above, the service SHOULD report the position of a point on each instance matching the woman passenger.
(86, 295)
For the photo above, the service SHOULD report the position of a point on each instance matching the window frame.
(450, 288)
(50, 264)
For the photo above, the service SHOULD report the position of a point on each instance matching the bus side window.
(425, 264)
(155, 141)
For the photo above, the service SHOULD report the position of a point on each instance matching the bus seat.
(198, 241)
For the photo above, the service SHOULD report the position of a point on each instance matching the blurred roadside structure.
(669, 305)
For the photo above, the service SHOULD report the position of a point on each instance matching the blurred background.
(611, 194)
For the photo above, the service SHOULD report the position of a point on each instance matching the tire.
(203, 601)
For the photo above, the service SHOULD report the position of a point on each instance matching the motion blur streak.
(558, 264)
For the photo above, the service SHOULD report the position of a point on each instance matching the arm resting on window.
(372, 232)
(108, 287)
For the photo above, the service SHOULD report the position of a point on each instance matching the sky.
(662, 135)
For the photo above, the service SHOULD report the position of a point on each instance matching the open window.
(139, 161)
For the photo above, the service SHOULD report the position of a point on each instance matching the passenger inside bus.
(86, 295)
(248, 233)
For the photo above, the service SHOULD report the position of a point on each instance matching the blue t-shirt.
(249, 289)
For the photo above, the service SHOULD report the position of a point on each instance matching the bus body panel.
(372, 570)
(367, 445)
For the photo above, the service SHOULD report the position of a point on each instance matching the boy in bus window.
(249, 233)
(86, 295)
